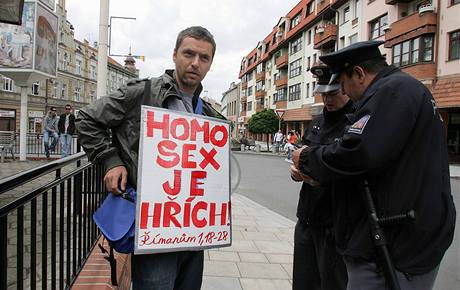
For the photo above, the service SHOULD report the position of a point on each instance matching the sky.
(237, 26)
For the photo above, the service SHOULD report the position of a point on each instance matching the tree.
(264, 122)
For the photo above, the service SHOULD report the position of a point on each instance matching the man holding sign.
(120, 112)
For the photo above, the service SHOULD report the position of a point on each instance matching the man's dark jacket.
(61, 124)
(315, 203)
(120, 112)
(396, 142)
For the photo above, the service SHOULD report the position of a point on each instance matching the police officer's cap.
(354, 54)
(323, 75)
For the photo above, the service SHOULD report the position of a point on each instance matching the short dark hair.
(68, 106)
(196, 32)
(52, 108)
(374, 66)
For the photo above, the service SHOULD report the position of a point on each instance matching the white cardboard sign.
(183, 187)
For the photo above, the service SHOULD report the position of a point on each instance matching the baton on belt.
(378, 236)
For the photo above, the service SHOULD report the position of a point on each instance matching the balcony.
(393, 2)
(260, 76)
(244, 85)
(281, 82)
(411, 26)
(325, 36)
(243, 99)
(260, 94)
(259, 107)
(282, 61)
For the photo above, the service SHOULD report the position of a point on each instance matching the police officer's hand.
(296, 156)
(114, 177)
(296, 175)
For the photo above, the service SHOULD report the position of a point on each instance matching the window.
(92, 71)
(77, 93)
(249, 91)
(78, 66)
(260, 67)
(342, 42)
(296, 45)
(295, 68)
(313, 86)
(55, 89)
(354, 38)
(296, 20)
(413, 51)
(281, 95)
(346, 14)
(249, 76)
(314, 59)
(64, 91)
(275, 97)
(35, 89)
(249, 106)
(260, 86)
(294, 92)
(309, 37)
(356, 9)
(454, 43)
(7, 84)
(377, 27)
(453, 2)
(308, 63)
(308, 91)
(310, 7)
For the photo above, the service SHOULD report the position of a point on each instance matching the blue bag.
(115, 218)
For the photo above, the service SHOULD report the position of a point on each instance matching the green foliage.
(263, 122)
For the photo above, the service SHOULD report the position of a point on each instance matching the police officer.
(396, 142)
(317, 265)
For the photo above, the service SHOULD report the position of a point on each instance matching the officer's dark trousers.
(317, 266)
(363, 275)
(168, 271)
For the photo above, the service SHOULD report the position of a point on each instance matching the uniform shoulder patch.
(358, 126)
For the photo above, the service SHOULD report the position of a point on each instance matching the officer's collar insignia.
(358, 126)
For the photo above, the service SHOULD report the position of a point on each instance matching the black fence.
(47, 234)
(35, 145)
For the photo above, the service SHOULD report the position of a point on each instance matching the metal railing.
(35, 145)
(47, 234)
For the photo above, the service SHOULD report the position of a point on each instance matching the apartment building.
(75, 83)
(422, 37)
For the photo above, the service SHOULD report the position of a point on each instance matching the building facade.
(231, 108)
(422, 37)
(75, 84)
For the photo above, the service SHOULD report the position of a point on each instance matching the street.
(265, 179)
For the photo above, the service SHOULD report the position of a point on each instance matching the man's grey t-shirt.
(182, 105)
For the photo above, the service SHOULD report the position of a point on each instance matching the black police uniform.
(396, 142)
(316, 261)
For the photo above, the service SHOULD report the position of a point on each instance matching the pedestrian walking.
(50, 131)
(395, 145)
(278, 140)
(66, 127)
(178, 90)
(316, 261)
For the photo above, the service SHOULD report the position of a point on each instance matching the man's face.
(193, 59)
(351, 86)
(53, 112)
(68, 110)
(334, 101)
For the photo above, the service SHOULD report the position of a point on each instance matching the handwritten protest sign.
(184, 182)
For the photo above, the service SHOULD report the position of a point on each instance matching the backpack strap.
(112, 262)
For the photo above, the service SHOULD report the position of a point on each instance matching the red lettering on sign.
(199, 223)
(169, 214)
(208, 158)
(152, 124)
(186, 129)
(166, 148)
(177, 184)
(197, 128)
(222, 129)
(197, 177)
(186, 154)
